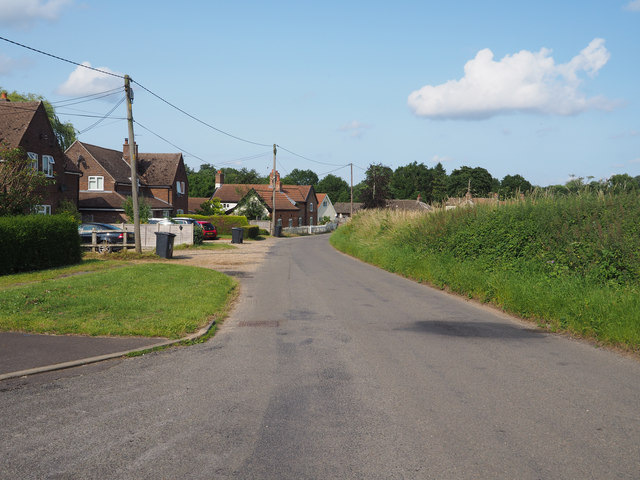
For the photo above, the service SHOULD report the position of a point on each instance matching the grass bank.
(114, 298)
(570, 264)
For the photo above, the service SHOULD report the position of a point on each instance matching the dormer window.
(47, 165)
(96, 183)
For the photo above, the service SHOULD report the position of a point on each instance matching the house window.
(324, 203)
(311, 207)
(291, 222)
(166, 213)
(180, 188)
(180, 211)
(299, 221)
(43, 209)
(34, 160)
(47, 165)
(96, 183)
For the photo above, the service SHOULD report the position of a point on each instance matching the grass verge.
(561, 300)
(152, 299)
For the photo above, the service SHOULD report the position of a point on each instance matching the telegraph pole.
(273, 198)
(351, 214)
(132, 161)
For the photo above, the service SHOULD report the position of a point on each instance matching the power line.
(306, 158)
(334, 170)
(98, 94)
(62, 59)
(197, 119)
(95, 124)
(68, 103)
(172, 144)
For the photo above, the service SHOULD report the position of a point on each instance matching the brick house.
(106, 183)
(296, 205)
(26, 125)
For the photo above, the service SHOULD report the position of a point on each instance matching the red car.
(209, 231)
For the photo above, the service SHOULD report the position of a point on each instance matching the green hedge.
(37, 242)
(223, 223)
(251, 231)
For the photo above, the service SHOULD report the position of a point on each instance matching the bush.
(198, 235)
(251, 231)
(224, 223)
(37, 242)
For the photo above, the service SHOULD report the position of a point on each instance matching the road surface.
(330, 368)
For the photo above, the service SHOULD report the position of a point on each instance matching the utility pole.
(132, 161)
(351, 214)
(273, 198)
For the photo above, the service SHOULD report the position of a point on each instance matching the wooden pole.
(273, 198)
(132, 161)
(351, 214)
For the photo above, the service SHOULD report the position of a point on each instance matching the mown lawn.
(114, 298)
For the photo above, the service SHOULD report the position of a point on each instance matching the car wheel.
(104, 247)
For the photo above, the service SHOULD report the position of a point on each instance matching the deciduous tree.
(21, 185)
(376, 191)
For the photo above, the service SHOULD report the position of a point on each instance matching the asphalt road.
(329, 368)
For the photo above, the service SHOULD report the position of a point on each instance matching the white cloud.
(529, 82)
(23, 13)
(635, 160)
(633, 6)
(83, 81)
(355, 129)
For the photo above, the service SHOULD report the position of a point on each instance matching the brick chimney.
(219, 179)
(3, 97)
(125, 150)
(278, 186)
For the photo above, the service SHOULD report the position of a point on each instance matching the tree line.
(408, 182)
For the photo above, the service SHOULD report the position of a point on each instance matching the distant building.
(325, 207)
(296, 205)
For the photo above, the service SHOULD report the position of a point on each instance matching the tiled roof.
(408, 205)
(153, 168)
(234, 192)
(320, 197)
(15, 117)
(114, 200)
(195, 202)
(345, 207)
(158, 168)
(111, 161)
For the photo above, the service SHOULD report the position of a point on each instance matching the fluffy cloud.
(23, 13)
(633, 6)
(355, 129)
(83, 81)
(529, 82)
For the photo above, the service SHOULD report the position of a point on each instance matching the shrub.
(224, 223)
(251, 231)
(37, 242)
(198, 235)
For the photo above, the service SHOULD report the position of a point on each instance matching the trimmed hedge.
(38, 242)
(224, 223)
(251, 231)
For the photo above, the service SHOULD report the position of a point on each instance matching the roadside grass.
(87, 265)
(569, 265)
(149, 299)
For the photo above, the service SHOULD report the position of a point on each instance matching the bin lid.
(165, 233)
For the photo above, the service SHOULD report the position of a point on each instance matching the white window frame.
(43, 209)
(47, 165)
(34, 160)
(178, 189)
(310, 207)
(99, 181)
(166, 213)
(180, 211)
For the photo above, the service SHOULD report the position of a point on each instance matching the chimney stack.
(219, 179)
(3, 97)
(125, 150)
(278, 187)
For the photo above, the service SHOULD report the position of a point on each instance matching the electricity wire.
(95, 124)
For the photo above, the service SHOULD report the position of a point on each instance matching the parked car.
(208, 230)
(107, 236)
(161, 221)
(187, 221)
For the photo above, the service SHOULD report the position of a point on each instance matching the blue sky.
(544, 89)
